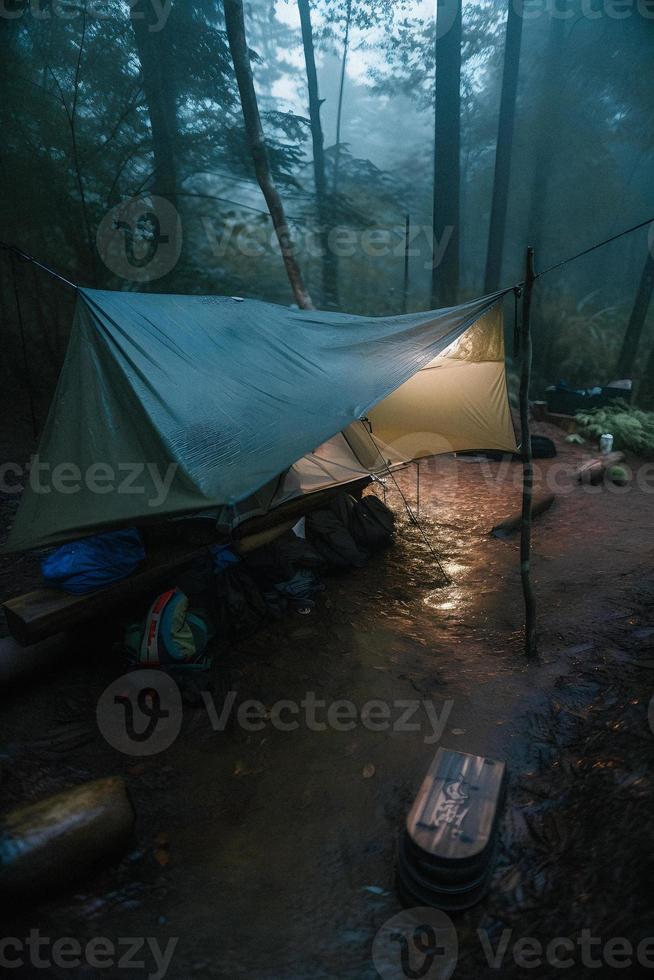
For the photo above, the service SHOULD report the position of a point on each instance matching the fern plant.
(632, 428)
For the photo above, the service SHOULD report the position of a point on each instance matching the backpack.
(238, 605)
(344, 505)
(299, 553)
(333, 541)
(171, 636)
(373, 523)
(541, 448)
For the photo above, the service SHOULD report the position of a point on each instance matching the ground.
(270, 854)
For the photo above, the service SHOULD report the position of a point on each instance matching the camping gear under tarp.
(80, 567)
(171, 636)
(45, 612)
(171, 405)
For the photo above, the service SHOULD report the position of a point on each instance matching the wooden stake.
(528, 469)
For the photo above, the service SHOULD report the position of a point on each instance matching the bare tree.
(329, 262)
(235, 24)
(341, 90)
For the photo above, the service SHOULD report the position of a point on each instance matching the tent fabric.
(170, 405)
(333, 464)
(458, 402)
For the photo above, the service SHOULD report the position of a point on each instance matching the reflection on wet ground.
(281, 843)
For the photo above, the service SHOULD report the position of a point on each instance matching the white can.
(606, 444)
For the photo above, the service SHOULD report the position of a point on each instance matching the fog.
(107, 102)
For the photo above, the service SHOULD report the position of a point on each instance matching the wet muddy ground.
(270, 853)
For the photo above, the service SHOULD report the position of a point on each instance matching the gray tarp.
(173, 404)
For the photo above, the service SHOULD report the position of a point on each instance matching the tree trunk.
(632, 337)
(339, 113)
(646, 392)
(497, 230)
(548, 112)
(157, 59)
(235, 24)
(548, 116)
(405, 284)
(531, 641)
(157, 67)
(447, 155)
(71, 113)
(329, 260)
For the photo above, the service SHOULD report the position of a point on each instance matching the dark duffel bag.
(343, 505)
(333, 541)
(238, 605)
(373, 523)
(541, 448)
(299, 552)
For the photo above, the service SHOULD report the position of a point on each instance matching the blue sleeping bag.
(92, 563)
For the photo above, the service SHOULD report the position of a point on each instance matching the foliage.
(577, 340)
(410, 50)
(59, 181)
(361, 15)
(632, 429)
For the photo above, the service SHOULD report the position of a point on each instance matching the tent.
(174, 405)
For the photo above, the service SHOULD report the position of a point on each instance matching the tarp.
(347, 457)
(169, 405)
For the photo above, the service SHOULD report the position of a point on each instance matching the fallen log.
(593, 471)
(541, 503)
(61, 840)
(44, 612)
(251, 542)
(566, 422)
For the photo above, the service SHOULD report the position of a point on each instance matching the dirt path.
(270, 854)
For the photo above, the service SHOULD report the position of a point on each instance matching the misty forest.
(96, 111)
(326, 475)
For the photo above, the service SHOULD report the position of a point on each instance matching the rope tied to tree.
(14, 251)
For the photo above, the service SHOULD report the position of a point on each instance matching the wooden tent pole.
(528, 469)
